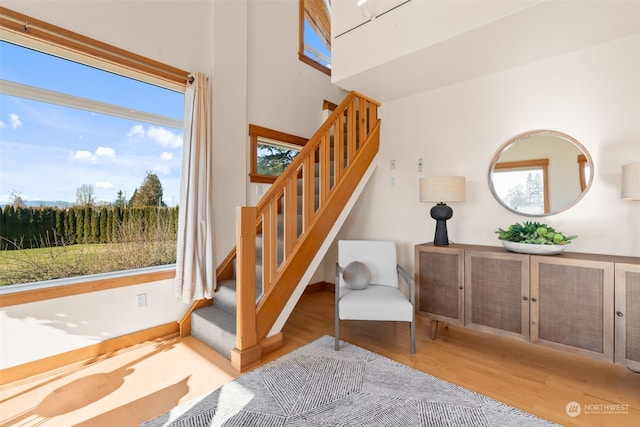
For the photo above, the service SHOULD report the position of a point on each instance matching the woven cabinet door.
(497, 293)
(628, 315)
(440, 283)
(572, 305)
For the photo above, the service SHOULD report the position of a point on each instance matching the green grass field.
(33, 265)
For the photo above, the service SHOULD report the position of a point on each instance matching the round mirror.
(540, 173)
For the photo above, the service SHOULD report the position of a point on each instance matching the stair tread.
(216, 325)
(216, 328)
(214, 315)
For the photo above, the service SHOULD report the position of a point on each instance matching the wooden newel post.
(247, 351)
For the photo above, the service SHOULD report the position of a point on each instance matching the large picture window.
(90, 165)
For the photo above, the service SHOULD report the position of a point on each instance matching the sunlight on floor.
(92, 395)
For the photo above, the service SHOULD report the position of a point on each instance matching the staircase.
(280, 242)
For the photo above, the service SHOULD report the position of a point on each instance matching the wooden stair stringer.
(322, 251)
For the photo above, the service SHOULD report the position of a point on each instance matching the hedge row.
(35, 227)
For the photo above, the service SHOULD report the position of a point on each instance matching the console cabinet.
(627, 315)
(582, 303)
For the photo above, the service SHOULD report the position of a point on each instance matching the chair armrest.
(409, 280)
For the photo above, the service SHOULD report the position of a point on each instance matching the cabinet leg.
(434, 328)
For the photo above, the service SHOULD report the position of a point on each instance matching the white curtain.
(195, 269)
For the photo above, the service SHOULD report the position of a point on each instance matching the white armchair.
(367, 285)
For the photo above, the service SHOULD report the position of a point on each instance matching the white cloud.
(166, 156)
(15, 121)
(136, 131)
(105, 152)
(164, 137)
(104, 184)
(88, 156)
(161, 169)
(2, 124)
(83, 156)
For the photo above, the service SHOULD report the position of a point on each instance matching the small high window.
(271, 152)
(315, 34)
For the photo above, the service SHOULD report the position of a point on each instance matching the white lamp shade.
(442, 189)
(631, 181)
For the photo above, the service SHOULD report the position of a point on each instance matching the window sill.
(262, 179)
(314, 64)
(38, 291)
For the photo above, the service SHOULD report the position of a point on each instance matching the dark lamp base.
(441, 213)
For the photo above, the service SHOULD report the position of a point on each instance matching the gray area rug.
(319, 387)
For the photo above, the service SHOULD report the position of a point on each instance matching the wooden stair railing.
(329, 168)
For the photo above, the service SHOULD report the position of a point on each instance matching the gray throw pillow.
(356, 275)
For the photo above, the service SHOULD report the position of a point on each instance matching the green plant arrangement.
(534, 233)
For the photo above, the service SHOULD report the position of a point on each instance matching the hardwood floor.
(150, 379)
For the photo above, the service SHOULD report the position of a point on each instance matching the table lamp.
(442, 189)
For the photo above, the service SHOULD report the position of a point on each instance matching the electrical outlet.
(141, 300)
(392, 181)
(420, 165)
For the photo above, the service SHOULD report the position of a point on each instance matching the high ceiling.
(469, 39)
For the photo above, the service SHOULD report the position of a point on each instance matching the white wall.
(176, 33)
(249, 50)
(285, 94)
(592, 94)
(39, 329)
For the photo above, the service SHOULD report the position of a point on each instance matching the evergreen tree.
(71, 225)
(173, 221)
(79, 224)
(22, 219)
(150, 192)
(95, 226)
(61, 223)
(273, 160)
(48, 227)
(116, 220)
(133, 198)
(7, 227)
(121, 200)
(104, 228)
(87, 213)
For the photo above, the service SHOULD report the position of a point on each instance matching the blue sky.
(48, 151)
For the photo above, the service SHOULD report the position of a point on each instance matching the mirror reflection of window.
(584, 170)
(523, 185)
(565, 180)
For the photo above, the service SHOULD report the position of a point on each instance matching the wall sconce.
(631, 181)
(442, 189)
